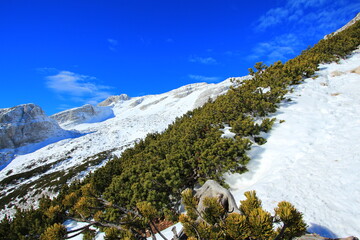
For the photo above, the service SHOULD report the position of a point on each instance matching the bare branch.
(159, 232)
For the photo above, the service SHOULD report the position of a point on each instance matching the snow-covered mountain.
(24, 125)
(103, 130)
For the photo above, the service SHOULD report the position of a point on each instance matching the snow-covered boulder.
(26, 124)
(85, 114)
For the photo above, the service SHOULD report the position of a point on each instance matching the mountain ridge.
(131, 119)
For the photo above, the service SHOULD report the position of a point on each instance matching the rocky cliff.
(114, 99)
(25, 124)
(85, 114)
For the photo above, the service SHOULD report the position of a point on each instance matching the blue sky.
(61, 54)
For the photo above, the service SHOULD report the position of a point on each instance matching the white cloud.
(76, 87)
(298, 12)
(113, 44)
(280, 48)
(204, 78)
(202, 60)
(299, 23)
(272, 17)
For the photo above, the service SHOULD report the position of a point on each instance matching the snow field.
(313, 158)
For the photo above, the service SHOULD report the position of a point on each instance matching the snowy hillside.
(25, 127)
(313, 158)
(32, 174)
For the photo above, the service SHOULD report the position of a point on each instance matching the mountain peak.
(25, 124)
(114, 99)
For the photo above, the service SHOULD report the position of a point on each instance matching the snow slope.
(85, 114)
(313, 158)
(133, 119)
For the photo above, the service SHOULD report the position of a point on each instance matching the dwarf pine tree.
(252, 223)
(54, 232)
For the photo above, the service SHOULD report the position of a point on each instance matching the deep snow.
(313, 158)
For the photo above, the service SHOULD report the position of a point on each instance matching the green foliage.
(251, 203)
(54, 232)
(254, 222)
(237, 227)
(190, 203)
(54, 213)
(148, 211)
(291, 218)
(213, 212)
(89, 234)
(112, 234)
(261, 224)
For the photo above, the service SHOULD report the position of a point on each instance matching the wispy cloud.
(204, 78)
(113, 44)
(202, 60)
(299, 23)
(272, 17)
(280, 48)
(305, 13)
(76, 87)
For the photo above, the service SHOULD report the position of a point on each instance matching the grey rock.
(212, 189)
(356, 70)
(318, 237)
(26, 124)
(85, 114)
(113, 99)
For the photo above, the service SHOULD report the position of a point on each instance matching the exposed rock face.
(25, 124)
(352, 21)
(85, 114)
(186, 90)
(211, 93)
(356, 70)
(114, 99)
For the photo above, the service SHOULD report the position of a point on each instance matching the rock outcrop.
(85, 114)
(113, 99)
(318, 237)
(352, 21)
(26, 124)
(212, 189)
